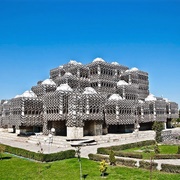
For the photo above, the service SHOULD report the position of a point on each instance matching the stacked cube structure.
(94, 99)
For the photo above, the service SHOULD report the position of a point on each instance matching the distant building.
(93, 99)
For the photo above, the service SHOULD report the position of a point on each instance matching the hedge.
(119, 161)
(169, 168)
(132, 145)
(128, 146)
(40, 156)
(167, 156)
(178, 152)
(119, 153)
(98, 157)
(148, 165)
(126, 162)
(128, 154)
(103, 151)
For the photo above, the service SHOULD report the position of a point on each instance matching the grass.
(164, 149)
(22, 169)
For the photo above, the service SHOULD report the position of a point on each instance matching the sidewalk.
(60, 143)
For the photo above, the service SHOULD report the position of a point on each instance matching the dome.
(5, 102)
(115, 97)
(27, 94)
(89, 90)
(140, 101)
(132, 69)
(98, 60)
(48, 82)
(74, 62)
(64, 87)
(166, 99)
(122, 82)
(115, 63)
(150, 97)
(68, 74)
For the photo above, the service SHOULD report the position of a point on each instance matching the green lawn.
(17, 168)
(164, 149)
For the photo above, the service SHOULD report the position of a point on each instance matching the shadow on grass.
(3, 158)
(105, 174)
(48, 166)
(84, 176)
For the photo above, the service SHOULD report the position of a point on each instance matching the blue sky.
(36, 36)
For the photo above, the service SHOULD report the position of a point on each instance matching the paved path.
(60, 143)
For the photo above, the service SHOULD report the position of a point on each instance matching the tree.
(103, 167)
(112, 158)
(156, 148)
(2, 149)
(158, 127)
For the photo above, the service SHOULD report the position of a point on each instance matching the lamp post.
(78, 154)
(50, 139)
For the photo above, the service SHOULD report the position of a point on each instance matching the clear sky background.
(37, 35)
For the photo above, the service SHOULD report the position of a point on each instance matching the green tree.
(158, 127)
(2, 149)
(112, 158)
(156, 148)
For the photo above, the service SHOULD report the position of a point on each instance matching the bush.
(112, 159)
(103, 167)
(126, 162)
(128, 154)
(103, 151)
(148, 165)
(97, 157)
(167, 156)
(156, 149)
(119, 161)
(178, 152)
(132, 145)
(59, 155)
(124, 146)
(169, 168)
(158, 127)
(40, 156)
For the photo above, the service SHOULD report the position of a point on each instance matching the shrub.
(119, 161)
(126, 162)
(156, 149)
(178, 152)
(167, 156)
(169, 168)
(158, 127)
(148, 165)
(112, 159)
(59, 155)
(128, 154)
(97, 157)
(103, 167)
(103, 151)
(124, 146)
(40, 156)
(132, 145)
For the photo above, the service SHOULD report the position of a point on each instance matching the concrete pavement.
(60, 143)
